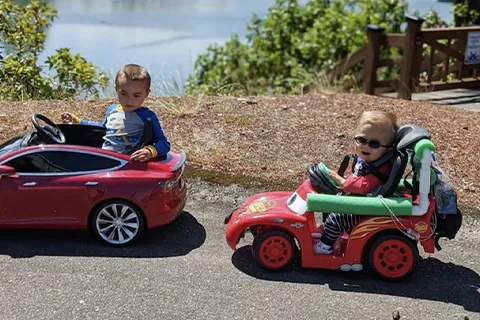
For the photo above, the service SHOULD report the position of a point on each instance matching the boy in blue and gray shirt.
(125, 121)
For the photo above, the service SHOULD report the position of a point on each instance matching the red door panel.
(10, 201)
(48, 201)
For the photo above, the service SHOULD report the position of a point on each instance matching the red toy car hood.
(275, 203)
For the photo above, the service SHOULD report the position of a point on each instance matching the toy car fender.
(266, 211)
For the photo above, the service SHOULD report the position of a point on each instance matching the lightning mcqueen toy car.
(403, 216)
(58, 177)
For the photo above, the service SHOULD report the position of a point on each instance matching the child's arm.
(77, 120)
(92, 123)
(161, 142)
(335, 176)
(161, 145)
(364, 184)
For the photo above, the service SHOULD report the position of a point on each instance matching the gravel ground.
(273, 139)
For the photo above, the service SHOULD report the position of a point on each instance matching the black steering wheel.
(51, 130)
(321, 180)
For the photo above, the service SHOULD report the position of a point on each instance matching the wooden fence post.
(412, 58)
(374, 34)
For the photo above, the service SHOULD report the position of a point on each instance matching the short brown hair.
(133, 72)
(384, 121)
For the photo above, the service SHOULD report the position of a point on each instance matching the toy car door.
(56, 187)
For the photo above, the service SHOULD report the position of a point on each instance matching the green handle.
(421, 145)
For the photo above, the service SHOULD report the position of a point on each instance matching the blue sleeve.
(104, 122)
(94, 123)
(161, 143)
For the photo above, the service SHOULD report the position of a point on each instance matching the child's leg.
(335, 224)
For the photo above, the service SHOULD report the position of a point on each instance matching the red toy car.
(58, 177)
(283, 222)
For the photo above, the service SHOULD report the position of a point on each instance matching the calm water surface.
(165, 35)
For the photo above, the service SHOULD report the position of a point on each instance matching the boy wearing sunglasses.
(374, 137)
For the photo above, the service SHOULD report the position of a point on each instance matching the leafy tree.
(292, 45)
(23, 33)
(463, 14)
(295, 45)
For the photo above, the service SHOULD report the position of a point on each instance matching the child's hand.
(335, 176)
(67, 117)
(141, 155)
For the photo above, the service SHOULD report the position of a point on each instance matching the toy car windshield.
(10, 145)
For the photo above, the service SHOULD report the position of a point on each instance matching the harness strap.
(371, 167)
(378, 174)
(344, 165)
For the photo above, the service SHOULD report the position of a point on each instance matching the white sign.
(472, 49)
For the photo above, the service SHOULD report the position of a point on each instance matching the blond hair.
(380, 120)
(133, 72)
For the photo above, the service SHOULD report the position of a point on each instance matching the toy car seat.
(407, 136)
(146, 139)
(147, 136)
(405, 140)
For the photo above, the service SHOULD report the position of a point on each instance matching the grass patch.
(177, 108)
(247, 182)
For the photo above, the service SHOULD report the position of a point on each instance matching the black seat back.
(408, 135)
(405, 140)
(147, 137)
(399, 163)
(83, 134)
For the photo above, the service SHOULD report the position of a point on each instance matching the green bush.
(292, 45)
(463, 15)
(23, 33)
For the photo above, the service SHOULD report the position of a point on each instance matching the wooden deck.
(468, 99)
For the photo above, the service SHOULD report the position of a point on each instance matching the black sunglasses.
(374, 144)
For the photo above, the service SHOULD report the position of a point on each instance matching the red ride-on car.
(387, 239)
(58, 177)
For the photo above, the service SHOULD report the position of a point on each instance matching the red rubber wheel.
(393, 257)
(274, 250)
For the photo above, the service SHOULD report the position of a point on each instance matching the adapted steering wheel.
(51, 130)
(321, 179)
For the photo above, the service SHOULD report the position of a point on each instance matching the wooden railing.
(443, 68)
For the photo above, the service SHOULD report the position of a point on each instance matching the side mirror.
(6, 171)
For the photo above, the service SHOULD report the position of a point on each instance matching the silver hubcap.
(117, 223)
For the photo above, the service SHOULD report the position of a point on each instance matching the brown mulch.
(275, 138)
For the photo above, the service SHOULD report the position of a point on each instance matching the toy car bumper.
(227, 218)
(235, 227)
(234, 214)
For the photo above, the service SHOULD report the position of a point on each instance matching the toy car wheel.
(118, 223)
(393, 257)
(274, 250)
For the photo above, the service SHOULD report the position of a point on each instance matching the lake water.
(165, 35)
